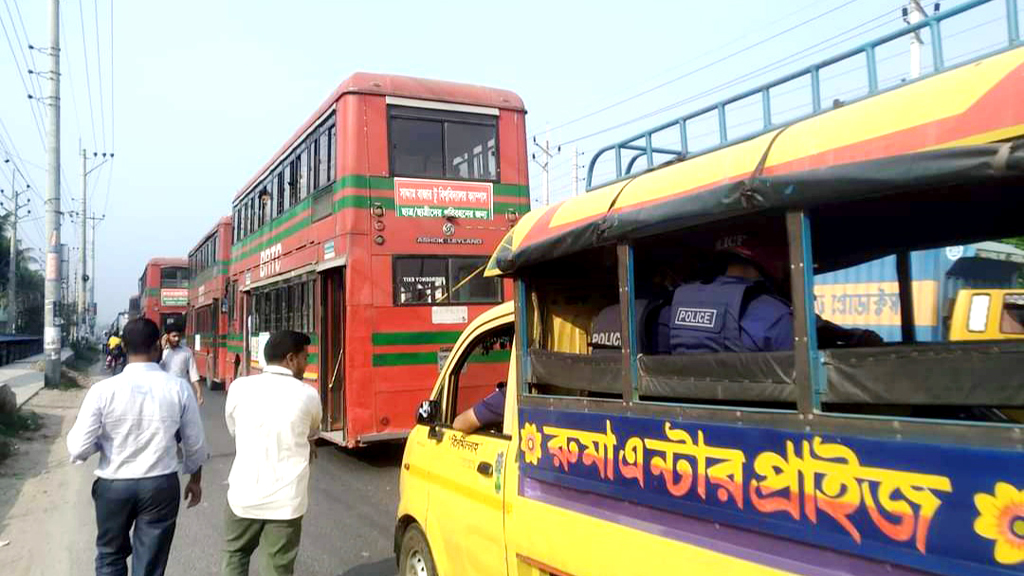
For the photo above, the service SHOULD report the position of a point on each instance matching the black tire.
(414, 557)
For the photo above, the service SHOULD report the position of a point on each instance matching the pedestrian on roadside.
(131, 420)
(180, 361)
(274, 418)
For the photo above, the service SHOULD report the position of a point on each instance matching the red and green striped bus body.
(163, 290)
(207, 311)
(369, 231)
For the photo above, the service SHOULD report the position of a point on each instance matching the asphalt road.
(348, 530)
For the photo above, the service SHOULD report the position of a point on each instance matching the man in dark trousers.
(131, 421)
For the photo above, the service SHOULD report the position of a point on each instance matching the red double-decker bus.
(369, 230)
(163, 290)
(206, 329)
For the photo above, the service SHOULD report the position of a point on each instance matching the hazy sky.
(196, 95)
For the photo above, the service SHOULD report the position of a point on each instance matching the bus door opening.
(332, 332)
(212, 356)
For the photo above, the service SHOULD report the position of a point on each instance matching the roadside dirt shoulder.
(45, 504)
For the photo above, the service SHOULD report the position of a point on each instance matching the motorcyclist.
(116, 356)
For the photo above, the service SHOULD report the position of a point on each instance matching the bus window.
(174, 277)
(279, 187)
(304, 172)
(436, 144)
(331, 152)
(440, 280)
(264, 208)
(468, 283)
(416, 147)
(293, 181)
(471, 151)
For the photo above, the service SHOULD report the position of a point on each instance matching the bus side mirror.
(428, 412)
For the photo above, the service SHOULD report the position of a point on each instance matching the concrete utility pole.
(82, 276)
(913, 13)
(12, 277)
(51, 328)
(92, 276)
(547, 155)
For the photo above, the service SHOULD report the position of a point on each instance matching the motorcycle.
(116, 361)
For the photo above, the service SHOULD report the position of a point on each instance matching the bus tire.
(414, 557)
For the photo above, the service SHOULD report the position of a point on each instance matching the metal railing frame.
(642, 144)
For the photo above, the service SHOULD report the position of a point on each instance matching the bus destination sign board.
(418, 198)
(174, 297)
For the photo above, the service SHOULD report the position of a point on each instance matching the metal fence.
(14, 348)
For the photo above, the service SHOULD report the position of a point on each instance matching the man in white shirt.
(131, 421)
(181, 362)
(274, 418)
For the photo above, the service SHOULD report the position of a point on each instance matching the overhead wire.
(771, 67)
(23, 43)
(860, 88)
(68, 67)
(99, 73)
(110, 171)
(88, 82)
(21, 76)
(704, 66)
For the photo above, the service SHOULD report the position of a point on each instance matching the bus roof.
(223, 220)
(400, 86)
(167, 262)
(936, 130)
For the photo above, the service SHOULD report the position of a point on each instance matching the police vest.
(706, 317)
(606, 328)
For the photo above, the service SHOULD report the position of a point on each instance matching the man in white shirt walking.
(274, 418)
(181, 362)
(131, 421)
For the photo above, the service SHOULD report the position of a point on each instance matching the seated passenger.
(487, 413)
(606, 328)
(741, 309)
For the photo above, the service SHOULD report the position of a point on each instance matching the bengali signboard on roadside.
(417, 198)
(174, 297)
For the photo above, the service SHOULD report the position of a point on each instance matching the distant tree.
(30, 281)
(1017, 242)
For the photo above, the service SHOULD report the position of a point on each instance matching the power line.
(12, 152)
(106, 200)
(21, 76)
(99, 72)
(88, 82)
(786, 61)
(21, 44)
(67, 66)
(705, 66)
(111, 76)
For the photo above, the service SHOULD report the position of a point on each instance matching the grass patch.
(20, 421)
(13, 424)
(85, 356)
(68, 380)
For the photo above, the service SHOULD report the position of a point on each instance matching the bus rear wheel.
(414, 557)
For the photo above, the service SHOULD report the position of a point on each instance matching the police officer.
(652, 309)
(737, 311)
(741, 309)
